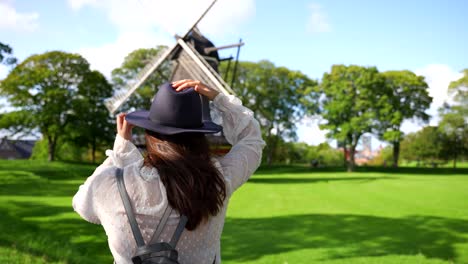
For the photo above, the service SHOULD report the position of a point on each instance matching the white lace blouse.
(98, 200)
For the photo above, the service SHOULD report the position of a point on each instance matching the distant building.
(364, 155)
(16, 149)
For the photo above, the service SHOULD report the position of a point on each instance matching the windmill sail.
(199, 68)
(121, 96)
(192, 57)
(183, 55)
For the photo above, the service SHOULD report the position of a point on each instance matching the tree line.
(57, 94)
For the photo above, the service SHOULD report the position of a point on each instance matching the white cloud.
(78, 4)
(438, 77)
(109, 56)
(3, 71)
(11, 19)
(318, 20)
(172, 16)
(308, 131)
(146, 23)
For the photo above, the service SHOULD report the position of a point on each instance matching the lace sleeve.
(243, 132)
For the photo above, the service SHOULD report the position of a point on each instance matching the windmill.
(192, 57)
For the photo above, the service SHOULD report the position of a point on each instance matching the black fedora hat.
(174, 112)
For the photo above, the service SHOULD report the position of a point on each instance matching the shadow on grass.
(30, 184)
(49, 170)
(38, 188)
(279, 180)
(344, 236)
(41, 179)
(65, 173)
(58, 239)
(291, 169)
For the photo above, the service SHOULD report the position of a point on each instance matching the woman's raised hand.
(124, 129)
(198, 86)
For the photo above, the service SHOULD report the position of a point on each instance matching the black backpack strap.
(128, 208)
(162, 223)
(178, 232)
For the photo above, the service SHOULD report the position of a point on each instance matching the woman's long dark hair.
(194, 186)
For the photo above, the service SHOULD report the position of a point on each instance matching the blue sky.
(427, 37)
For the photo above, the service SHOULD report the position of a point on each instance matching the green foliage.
(5, 54)
(453, 125)
(40, 150)
(279, 98)
(127, 72)
(58, 94)
(384, 158)
(454, 130)
(14, 122)
(459, 89)
(406, 97)
(425, 145)
(66, 151)
(347, 107)
(324, 155)
(93, 126)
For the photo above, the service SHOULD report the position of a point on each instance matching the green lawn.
(282, 215)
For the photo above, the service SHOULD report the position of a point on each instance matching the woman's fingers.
(198, 86)
(127, 127)
(124, 129)
(186, 84)
(120, 118)
(175, 83)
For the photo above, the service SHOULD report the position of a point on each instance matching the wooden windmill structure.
(192, 57)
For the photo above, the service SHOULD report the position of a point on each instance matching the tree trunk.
(345, 158)
(352, 150)
(51, 147)
(396, 153)
(353, 141)
(271, 151)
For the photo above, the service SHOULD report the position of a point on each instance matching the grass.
(282, 215)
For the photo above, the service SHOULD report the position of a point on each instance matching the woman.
(177, 172)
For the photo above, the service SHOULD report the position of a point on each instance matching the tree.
(459, 89)
(454, 120)
(128, 71)
(406, 96)
(4, 51)
(328, 156)
(408, 149)
(424, 145)
(93, 125)
(42, 89)
(383, 156)
(279, 98)
(453, 126)
(352, 94)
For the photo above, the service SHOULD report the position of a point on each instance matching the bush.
(384, 158)
(324, 155)
(65, 151)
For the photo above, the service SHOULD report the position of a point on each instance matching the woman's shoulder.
(103, 178)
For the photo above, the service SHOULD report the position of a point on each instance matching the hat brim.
(141, 119)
